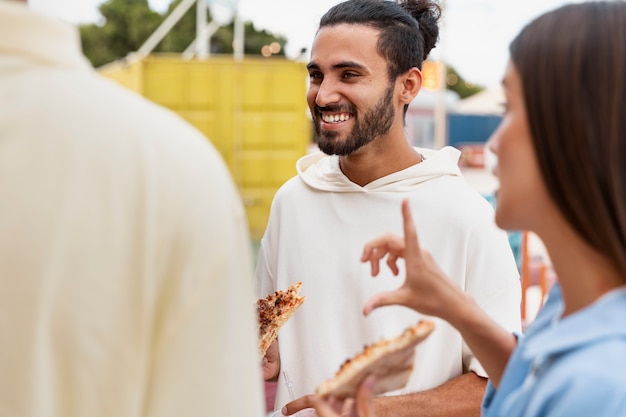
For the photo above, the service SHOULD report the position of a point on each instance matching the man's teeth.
(334, 118)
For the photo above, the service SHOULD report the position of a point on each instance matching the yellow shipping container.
(253, 110)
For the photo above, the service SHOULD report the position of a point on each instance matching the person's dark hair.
(408, 28)
(572, 65)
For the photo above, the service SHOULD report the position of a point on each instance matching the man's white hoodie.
(318, 225)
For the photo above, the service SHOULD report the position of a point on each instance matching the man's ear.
(411, 84)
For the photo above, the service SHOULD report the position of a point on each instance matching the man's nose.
(327, 93)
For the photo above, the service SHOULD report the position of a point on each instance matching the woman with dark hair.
(561, 151)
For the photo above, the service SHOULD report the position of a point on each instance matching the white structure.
(421, 116)
(488, 102)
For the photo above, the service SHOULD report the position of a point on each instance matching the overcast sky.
(474, 39)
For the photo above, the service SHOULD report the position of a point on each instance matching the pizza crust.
(390, 361)
(274, 311)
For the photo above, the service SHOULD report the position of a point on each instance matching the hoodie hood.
(323, 173)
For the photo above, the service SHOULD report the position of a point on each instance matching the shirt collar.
(603, 319)
(28, 35)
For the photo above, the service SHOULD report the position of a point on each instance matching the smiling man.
(365, 68)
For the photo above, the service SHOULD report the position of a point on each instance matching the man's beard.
(374, 123)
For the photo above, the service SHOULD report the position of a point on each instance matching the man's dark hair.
(408, 28)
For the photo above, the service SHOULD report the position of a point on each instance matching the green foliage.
(181, 35)
(255, 40)
(127, 24)
(459, 85)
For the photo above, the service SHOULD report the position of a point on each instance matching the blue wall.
(470, 128)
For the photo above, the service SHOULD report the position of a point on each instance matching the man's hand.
(362, 407)
(331, 407)
(271, 363)
(298, 404)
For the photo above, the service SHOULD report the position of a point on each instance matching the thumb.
(379, 300)
(322, 408)
(365, 393)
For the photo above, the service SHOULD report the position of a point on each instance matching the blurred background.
(236, 69)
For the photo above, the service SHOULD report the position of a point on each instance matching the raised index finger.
(410, 235)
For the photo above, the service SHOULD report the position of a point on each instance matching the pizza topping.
(273, 311)
(276, 304)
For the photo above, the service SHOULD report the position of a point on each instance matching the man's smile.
(336, 118)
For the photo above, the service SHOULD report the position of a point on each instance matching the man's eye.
(349, 75)
(315, 75)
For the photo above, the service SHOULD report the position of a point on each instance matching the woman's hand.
(426, 288)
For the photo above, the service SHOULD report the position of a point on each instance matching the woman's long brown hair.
(572, 63)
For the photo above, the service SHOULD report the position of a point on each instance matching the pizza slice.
(390, 361)
(273, 311)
